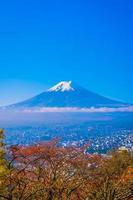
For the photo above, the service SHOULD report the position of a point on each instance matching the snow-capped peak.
(62, 87)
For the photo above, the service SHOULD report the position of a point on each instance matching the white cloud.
(75, 109)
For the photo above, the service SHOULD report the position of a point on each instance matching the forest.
(48, 171)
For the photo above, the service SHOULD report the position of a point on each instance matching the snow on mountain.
(62, 86)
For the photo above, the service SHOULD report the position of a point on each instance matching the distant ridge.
(68, 94)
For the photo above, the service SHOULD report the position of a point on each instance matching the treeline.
(50, 172)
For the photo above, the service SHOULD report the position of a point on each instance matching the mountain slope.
(67, 94)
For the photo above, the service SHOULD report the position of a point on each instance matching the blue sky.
(44, 42)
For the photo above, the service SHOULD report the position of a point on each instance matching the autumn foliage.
(49, 171)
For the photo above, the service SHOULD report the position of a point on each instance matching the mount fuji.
(67, 94)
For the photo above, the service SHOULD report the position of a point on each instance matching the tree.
(2, 154)
(116, 177)
(48, 171)
(3, 163)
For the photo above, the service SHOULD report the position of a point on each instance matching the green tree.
(3, 163)
(2, 155)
